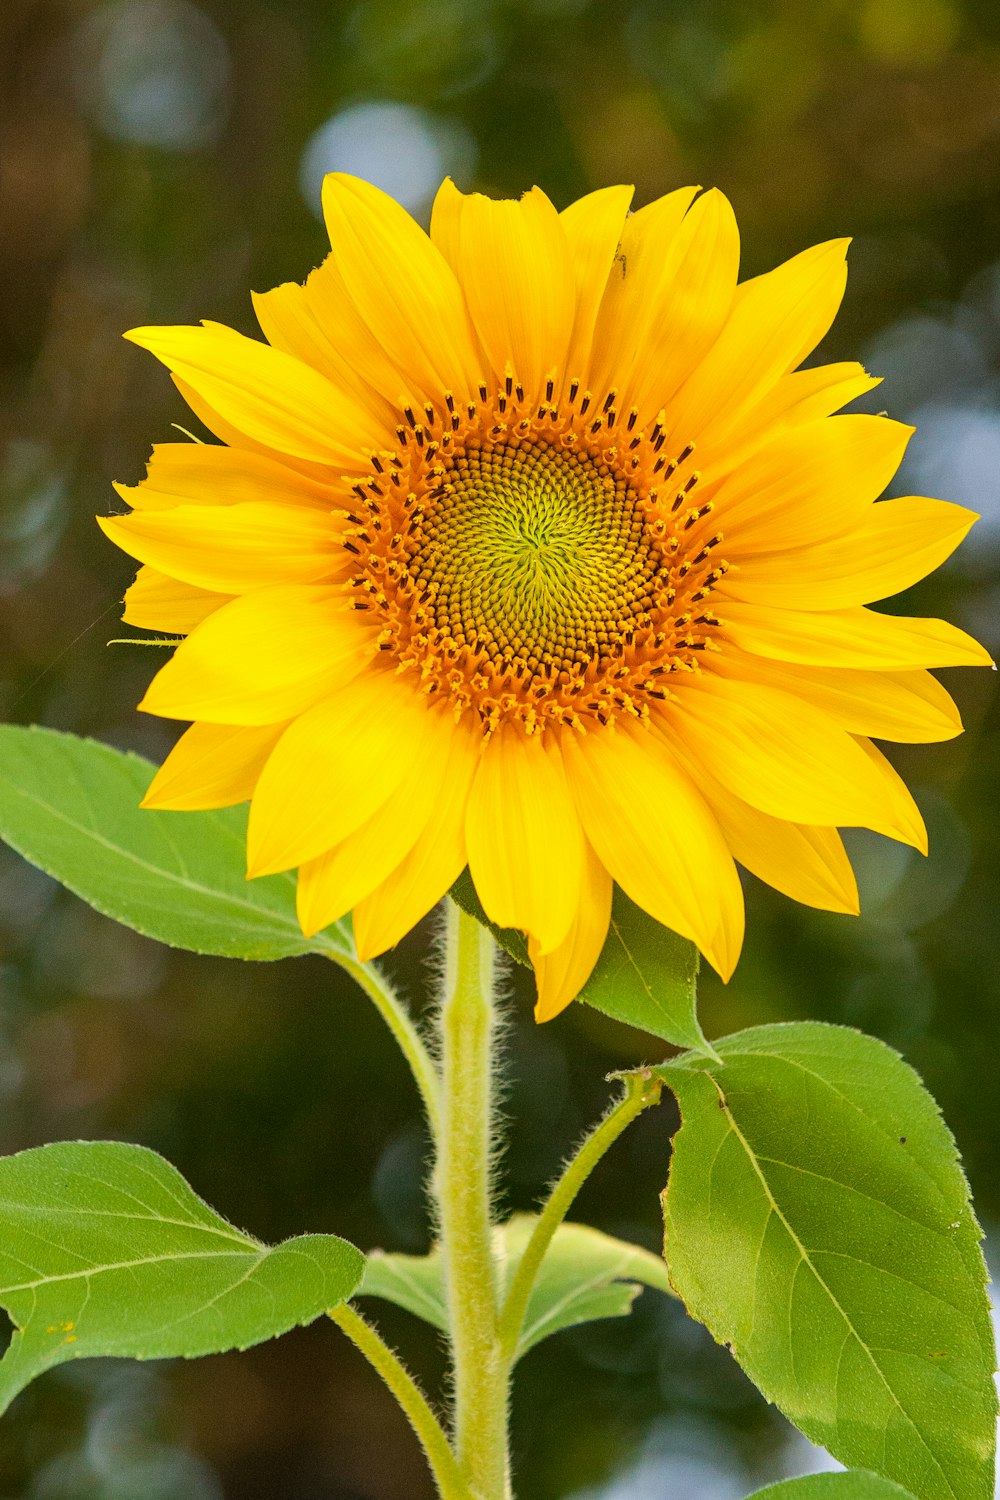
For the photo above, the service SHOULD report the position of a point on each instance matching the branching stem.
(641, 1090)
(399, 1021)
(411, 1398)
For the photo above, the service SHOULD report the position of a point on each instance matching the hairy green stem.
(399, 1021)
(641, 1091)
(462, 1191)
(410, 1397)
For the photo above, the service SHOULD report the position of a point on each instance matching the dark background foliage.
(159, 158)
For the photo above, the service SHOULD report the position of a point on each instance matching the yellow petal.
(783, 756)
(775, 321)
(446, 216)
(231, 435)
(687, 304)
(593, 226)
(803, 396)
(562, 974)
(849, 638)
(263, 658)
(157, 602)
(657, 838)
(646, 258)
(903, 811)
(212, 765)
(908, 706)
(807, 863)
(525, 844)
(332, 884)
(809, 483)
(897, 543)
(402, 288)
(210, 474)
(333, 768)
(806, 395)
(271, 397)
(515, 268)
(231, 548)
(433, 864)
(318, 325)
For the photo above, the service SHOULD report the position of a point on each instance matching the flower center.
(532, 555)
(536, 561)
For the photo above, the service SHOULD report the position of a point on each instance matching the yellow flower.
(527, 546)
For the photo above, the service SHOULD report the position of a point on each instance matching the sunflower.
(527, 546)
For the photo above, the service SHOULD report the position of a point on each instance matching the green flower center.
(535, 561)
(533, 554)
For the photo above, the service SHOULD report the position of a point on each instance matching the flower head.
(528, 546)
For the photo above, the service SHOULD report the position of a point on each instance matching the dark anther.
(408, 414)
(351, 548)
(483, 392)
(377, 463)
(449, 400)
(609, 400)
(508, 385)
(584, 403)
(574, 387)
(633, 417)
(549, 389)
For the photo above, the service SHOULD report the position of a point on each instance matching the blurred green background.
(160, 158)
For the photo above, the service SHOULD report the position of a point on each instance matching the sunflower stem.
(399, 1021)
(451, 1485)
(641, 1090)
(462, 1191)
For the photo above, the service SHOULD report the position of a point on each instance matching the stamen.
(529, 569)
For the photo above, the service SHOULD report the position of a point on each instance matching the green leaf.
(818, 1221)
(105, 1249)
(464, 893)
(646, 975)
(855, 1484)
(71, 806)
(585, 1275)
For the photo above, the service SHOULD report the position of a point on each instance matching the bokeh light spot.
(154, 73)
(403, 150)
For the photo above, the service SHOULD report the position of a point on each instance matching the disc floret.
(542, 561)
